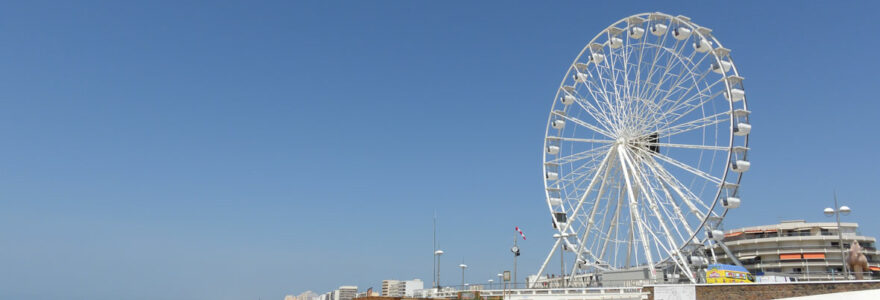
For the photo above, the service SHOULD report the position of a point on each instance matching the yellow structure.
(719, 273)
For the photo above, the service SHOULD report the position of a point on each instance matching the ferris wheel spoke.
(683, 79)
(686, 146)
(671, 63)
(624, 58)
(683, 102)
(657, 54)
(688, 168)
(602, 84)
(592, 153)
(695, 124)
(600, 116)
(580, 140)
(661, 214)
(681, 190)
(653, 198)
(633, 208)
(602, 165)
(686, 108)
(679, 116)
(691, 71)
(675, 208)
(584, 124)
(595, 111)
(607, 110)
(676, 257)
(652, 89)
(614, 223)
(607, 166)
(584, 169)
(574, 179)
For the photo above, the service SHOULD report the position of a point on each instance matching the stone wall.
(761, 291)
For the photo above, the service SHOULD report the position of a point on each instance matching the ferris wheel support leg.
(642, 182)
(633, 208)
(712, 249)
(546, 261)
(729, 254)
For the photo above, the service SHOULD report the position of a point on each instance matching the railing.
(801, 248)
(453, 291)
(500, 290)
(812, 275)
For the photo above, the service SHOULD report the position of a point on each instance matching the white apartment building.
(806, 251)
(345, 292)
(390, 288)
(401, 288)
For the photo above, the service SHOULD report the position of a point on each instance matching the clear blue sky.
(240, 150)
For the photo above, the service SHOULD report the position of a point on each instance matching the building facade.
(797, 249)
(390, 288)
(401, 288)
(345, 292)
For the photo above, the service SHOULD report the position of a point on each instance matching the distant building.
(806, 251)
(368, 294)
(345, 292)
(401, 288)
(412, 286)
(389, 288)
(290, 297)
(307, 295)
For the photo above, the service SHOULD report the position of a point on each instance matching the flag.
(520, 233)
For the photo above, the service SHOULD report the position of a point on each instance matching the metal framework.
(645, 146)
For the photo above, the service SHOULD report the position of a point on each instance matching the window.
(796, 270)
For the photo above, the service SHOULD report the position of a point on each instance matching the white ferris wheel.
(645, 146)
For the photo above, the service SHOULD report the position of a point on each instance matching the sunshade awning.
(814, 255)
(789, 256)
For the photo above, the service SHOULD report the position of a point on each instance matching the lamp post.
(845, 210)
(462, 266)
(500, 278)
(515, 251)
(490, 283)
(438, 253)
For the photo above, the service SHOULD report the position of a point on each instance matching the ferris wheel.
(645, 146)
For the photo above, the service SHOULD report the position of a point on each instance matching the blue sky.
(228, 150)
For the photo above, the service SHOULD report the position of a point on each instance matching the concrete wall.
(761, 291)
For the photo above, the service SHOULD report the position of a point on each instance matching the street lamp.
(500, 279)
(462, 266)
(438, 253)
(841, 210)
(490, 283)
